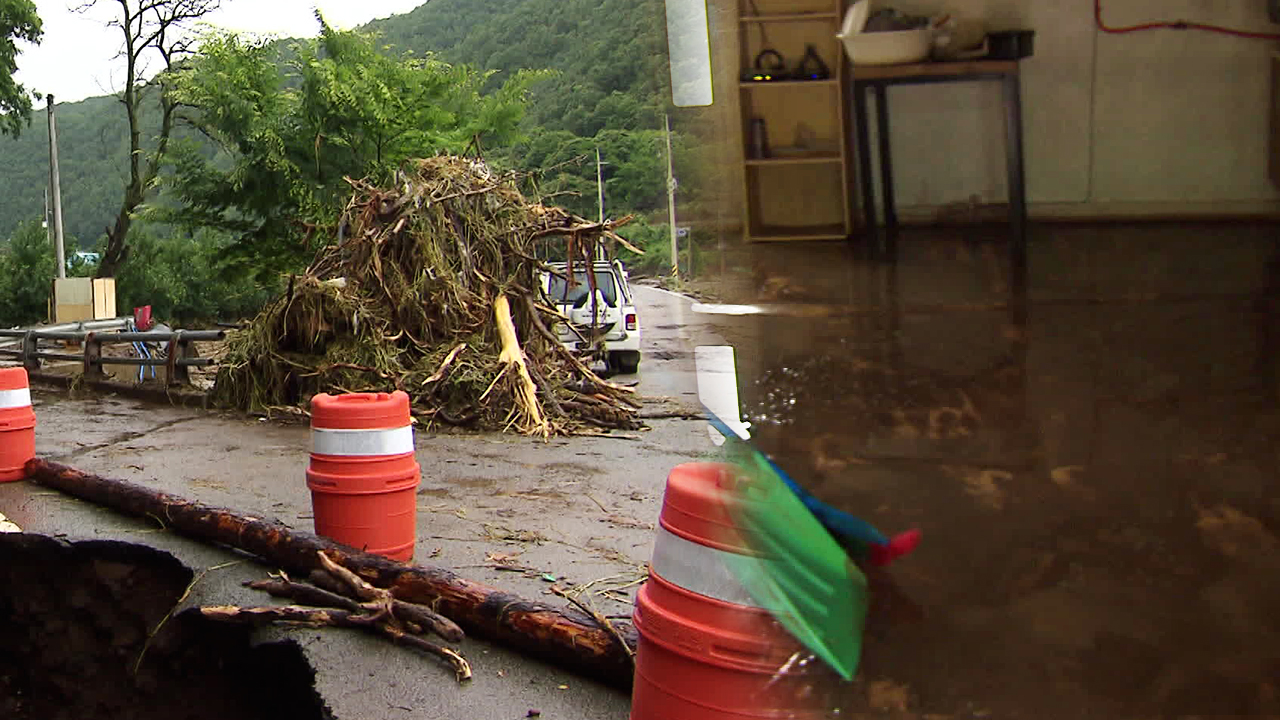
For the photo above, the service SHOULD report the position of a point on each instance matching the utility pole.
(600, 184)
(600, 192)
(56, 191)
(671, 203)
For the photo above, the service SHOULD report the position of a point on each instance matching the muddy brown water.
(1089, 444)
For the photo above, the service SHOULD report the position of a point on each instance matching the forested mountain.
(92, 149)
(609, 92)
(611, 54)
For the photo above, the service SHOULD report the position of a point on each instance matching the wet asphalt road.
(574, 509)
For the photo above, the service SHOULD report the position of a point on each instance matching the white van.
(613, 334)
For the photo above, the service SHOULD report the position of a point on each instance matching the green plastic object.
(799, 574)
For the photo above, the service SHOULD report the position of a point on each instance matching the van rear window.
(560, 293)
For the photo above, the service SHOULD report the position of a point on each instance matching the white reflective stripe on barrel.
(697, 568)
(390, 441)
(15, 398)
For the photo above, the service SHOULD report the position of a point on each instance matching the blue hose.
(837, 522)
(144, 353)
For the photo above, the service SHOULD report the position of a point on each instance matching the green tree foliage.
(609, 55)
(18, 22)
(609, 90)
(27, 268)
(179, 276)
(339, 108)
(635, 170)
(654, 240)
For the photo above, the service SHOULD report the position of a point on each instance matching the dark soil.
(74, 618)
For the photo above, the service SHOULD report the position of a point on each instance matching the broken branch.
(411, 613)
(334, 618)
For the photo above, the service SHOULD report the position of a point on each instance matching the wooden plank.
(934, 69)
(1275, 118)
(789, 17)
(74, 291)
(104, 298)
(775, 83)
(66, 312)
(805, 159)
(798, 238)
(775, 8)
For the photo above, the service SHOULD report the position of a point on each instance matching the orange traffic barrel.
(707, 650)
(363, 476)
(17, 424)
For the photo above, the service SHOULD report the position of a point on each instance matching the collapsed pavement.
(89, 634)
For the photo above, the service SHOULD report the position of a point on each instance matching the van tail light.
(631, 322)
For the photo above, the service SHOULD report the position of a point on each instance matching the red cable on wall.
(1176, 25)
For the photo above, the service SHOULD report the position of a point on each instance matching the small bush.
(27, 268)
(181, 279)
(178, 276)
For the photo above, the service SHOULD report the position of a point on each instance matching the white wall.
(1153, 123)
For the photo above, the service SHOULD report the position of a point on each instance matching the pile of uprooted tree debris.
(432, 286)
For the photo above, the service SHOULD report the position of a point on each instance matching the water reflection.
(1089, 445)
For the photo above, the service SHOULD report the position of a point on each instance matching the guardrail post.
(179, 349)
(93, 357)
(29, 344)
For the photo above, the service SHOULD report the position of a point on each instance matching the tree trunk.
(117, 250)
(561, 636)
(137, 41)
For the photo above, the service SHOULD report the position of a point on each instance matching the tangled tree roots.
(431, 287)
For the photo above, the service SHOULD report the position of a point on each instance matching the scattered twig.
(603, 509)
(185, 594)
(294, 614)
(672, 415)
(600, 619)
(444, 366)
(305, 594)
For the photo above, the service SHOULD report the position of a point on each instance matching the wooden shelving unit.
(804, 189)
(790, 17)
(815, 159)
(1275, 118)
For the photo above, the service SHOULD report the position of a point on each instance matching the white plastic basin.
(888, 48)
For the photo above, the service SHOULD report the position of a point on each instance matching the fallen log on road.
(560, 636)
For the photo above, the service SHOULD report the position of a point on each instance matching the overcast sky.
(75, 59)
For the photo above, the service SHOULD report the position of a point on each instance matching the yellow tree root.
(527, 392)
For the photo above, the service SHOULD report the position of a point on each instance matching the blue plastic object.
(837, 522)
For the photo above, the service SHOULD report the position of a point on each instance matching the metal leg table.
(878, 80)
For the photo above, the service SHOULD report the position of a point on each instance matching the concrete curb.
(164, 396)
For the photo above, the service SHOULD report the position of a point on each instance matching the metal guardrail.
(180, 353)
(81, 327)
